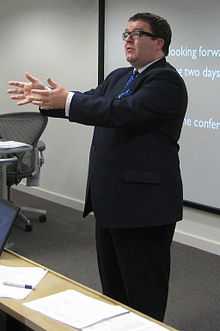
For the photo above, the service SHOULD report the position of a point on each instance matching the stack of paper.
(18, 277)
(75, 309)
(88, 314)
(127, 322)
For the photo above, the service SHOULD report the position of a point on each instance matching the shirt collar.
(140, 70)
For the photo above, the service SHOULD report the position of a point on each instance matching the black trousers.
(134, 266)
(12, 324)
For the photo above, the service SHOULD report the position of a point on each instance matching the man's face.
(142, 50)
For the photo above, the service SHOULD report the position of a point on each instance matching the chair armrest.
(34, 179)
(9, 160)
(41, 146)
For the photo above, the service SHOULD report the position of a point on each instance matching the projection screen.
(195, 52)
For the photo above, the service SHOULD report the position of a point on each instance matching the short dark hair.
(159, 26)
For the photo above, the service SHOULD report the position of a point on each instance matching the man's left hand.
(53, 98)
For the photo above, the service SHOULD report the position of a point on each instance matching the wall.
(57, 39)
(199, 229)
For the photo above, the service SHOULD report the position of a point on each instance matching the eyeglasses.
(136, 34)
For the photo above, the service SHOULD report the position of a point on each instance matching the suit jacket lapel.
(146, 72)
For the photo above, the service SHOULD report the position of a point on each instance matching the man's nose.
(129, 41)
(129, 38)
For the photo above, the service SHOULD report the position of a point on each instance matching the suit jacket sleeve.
(162, 95)
(60, 113)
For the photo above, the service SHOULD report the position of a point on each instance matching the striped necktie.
(127, 89)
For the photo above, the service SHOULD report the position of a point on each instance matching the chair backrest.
(25, 127)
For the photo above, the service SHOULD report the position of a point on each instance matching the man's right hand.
(21, 91)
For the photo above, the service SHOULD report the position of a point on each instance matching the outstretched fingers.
(31, 78)
(16, 91)
(17, 96)
(40, 97)
(44, 93)
(23, 102)
(16, 83)
(52, 83)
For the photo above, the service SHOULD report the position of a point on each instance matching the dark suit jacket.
(134, 178)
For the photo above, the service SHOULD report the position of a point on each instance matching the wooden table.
(52, 283)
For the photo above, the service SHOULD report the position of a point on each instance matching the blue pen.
(15, 284)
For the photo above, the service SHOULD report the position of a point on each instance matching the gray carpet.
(66, 244)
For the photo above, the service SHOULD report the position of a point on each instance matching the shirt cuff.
(68, 102)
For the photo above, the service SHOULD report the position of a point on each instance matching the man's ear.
(160, 43)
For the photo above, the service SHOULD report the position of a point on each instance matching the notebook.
(8, 215)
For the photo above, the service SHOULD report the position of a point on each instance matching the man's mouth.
(129, 49)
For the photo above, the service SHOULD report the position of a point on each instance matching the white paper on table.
(75, 309)
(12, 144)
(127, 322)
(21, 275)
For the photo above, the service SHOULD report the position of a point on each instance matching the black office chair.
(25, 127)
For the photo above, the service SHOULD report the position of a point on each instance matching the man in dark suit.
(134, 182)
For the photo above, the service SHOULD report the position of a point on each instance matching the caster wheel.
(42, 218)
(28, 228)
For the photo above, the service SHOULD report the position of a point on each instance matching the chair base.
(27, 212)
(24, 220)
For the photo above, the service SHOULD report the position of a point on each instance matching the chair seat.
(26, 127)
